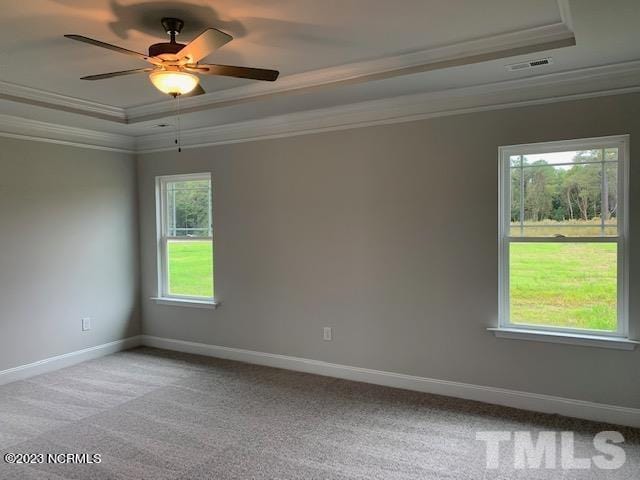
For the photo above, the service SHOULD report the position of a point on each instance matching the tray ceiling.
(292, 36)
(331, 53)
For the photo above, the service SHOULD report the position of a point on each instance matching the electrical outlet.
(86, 324)
(327, 333)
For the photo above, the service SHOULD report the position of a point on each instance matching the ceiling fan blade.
(205, 43)
(196, 91)
(115, 48)
(116, 74)
(239, 72)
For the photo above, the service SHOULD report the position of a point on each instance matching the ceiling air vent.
(540, 62)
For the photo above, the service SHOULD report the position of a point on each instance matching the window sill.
(617, 343)
(179, 302)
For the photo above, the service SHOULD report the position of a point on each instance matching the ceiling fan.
(174, 64)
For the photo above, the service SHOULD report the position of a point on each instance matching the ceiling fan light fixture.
(174, 82)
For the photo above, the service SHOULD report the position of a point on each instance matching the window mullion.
(188, 239)
(603, 192)
(173, 212)
(612, 239)
(522, 195)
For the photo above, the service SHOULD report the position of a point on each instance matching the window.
(562, 239)
(185, 237)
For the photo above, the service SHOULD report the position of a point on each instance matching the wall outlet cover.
(327, 333)
(86, 324)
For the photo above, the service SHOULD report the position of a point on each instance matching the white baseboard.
(60, 361)
(499, 396)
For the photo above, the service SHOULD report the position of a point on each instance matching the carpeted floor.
(153, 414)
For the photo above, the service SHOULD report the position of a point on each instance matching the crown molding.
(556, 87)
(464, 53)
(23, 128)
(43, 98)
(571, 85)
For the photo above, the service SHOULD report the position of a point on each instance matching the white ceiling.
(294, 36)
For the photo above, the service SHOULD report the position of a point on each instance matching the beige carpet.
(153, 414)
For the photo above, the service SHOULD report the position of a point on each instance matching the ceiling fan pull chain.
(176, 124)
(179, 127)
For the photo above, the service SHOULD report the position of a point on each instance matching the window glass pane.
(563, 194)
(188, 208)
(557, 158)
(610, 193)
(568, 285)
(566, 229)
(516, 184)
(190, 268)
(541, 188)
(611, 154)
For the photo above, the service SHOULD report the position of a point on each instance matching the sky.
(552, 158)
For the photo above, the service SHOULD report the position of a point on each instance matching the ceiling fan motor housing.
(158, 49)
(173, 27)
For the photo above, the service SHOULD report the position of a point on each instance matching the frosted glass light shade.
(173, 82)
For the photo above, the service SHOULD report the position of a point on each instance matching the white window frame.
(164, 296)
(504, 239)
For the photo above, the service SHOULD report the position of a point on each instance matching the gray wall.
(349, 229)
(68, 249)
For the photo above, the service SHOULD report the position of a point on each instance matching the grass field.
(571, 285)
(569, 228)
(191, 268)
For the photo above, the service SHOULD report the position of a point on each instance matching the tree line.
(189, 208)
(581, 191)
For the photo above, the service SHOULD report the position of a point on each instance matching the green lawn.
(571, 285)
(191, 268)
